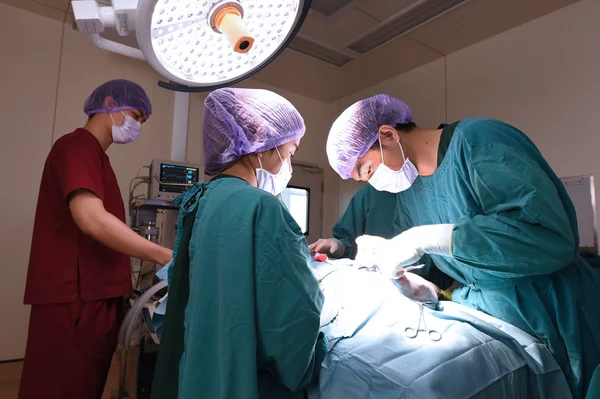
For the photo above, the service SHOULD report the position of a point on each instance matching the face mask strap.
(113, 120)
(280, 158)
(402, 151)
(259, 162)
(278, 153)
(381, 149)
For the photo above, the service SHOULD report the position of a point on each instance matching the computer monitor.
(168, 179)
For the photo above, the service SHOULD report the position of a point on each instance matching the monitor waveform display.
(175, 178)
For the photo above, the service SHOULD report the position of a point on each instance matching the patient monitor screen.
(177, 178)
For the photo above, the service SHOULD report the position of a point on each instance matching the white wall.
(543, 77)
(48, 71)
(27, 119)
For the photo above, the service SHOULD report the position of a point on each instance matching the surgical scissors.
(413, 332)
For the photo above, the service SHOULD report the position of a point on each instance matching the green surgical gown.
(371, 212)
(252, 314)
(515, 241)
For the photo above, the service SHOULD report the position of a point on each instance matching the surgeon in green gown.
(489, 210)
(369, 212)
(243, 314)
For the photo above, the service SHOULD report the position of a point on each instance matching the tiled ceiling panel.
(383, 9)
(330, 7)
(479, 19)
(37, 8)
(62, 5)
(319, 51)
(404, 22)
(339, 30)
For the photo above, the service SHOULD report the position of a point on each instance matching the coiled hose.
(131, 319)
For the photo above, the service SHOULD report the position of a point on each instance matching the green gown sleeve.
(522, 226)
(352, 223)
(288, 303)
(372, 212)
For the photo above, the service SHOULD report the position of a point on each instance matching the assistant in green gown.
(252, 314)
(515, 240)
(369, 212)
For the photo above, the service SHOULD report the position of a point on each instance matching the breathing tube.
(131, 320)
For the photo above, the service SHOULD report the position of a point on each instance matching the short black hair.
(245, 161)
(405, 127)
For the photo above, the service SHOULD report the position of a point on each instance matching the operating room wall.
(542, 77)
(27, 114)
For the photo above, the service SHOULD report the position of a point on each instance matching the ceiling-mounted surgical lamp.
(198, 45)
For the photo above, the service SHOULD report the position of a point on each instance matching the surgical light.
(198, 45)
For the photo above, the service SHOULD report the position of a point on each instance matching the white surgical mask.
(127, 132)
(394, 181)
(271, 183)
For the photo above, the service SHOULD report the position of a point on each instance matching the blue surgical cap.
(126, 95)
(357, 129)
(238, 122)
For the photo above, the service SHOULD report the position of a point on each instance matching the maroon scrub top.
(63, 260)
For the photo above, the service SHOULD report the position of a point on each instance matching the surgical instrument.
(413, 332)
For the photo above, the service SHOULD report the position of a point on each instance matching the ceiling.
(354, 44)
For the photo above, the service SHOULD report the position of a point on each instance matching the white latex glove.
(377, 252)
(417, 288)
(404, 249)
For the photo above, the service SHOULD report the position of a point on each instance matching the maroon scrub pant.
(69, 349)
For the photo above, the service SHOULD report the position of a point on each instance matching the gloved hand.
(379, 253)
(404, 249)
(330, 246)
(417, 288)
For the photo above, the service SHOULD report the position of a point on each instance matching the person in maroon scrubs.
(79, 268)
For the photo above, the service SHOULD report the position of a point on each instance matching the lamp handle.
(118, 48)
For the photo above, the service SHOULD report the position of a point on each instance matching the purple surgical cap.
(126, 95)
(245, 121)
(357, 129)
